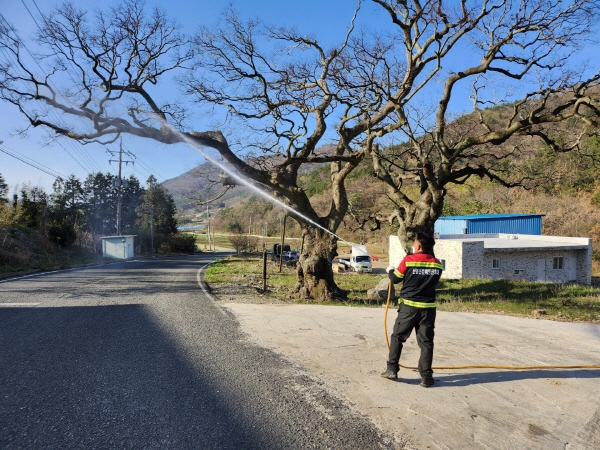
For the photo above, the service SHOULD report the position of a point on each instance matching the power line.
(38, 8)
(34, 165)
(30, 159)
(145, 166)
(142, 176)
(83, 154)
(86, 159)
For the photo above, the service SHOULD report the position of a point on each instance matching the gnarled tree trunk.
(314, 268)
(419, 216)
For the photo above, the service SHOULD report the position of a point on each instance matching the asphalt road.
(134, 355)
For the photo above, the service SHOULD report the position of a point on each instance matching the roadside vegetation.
(41, 231)
(565, 302)
(23, 250)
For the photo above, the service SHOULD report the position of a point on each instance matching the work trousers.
(422, 320)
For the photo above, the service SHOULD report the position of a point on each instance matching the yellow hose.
(387, 340)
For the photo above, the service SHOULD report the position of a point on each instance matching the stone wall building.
(555, 259)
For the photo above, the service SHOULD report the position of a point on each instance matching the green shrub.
(62, 233)
(178, 243)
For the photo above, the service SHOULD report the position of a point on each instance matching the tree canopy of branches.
(290, 95)
(496, 47)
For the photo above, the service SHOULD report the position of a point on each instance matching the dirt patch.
(241, 293)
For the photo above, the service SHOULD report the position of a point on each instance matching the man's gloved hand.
(390, 269)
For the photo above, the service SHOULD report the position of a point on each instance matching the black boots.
(426, 381)
(390, 375)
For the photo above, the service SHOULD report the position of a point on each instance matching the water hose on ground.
(387, 304)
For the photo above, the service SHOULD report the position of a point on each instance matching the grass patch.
(569, 302)
(222, 241)
(247, 270)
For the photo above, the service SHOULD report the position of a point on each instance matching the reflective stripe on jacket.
(420, 274)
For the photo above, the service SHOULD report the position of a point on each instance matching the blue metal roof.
(490, 223)
(490, 216)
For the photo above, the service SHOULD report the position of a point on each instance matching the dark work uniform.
(420, 274)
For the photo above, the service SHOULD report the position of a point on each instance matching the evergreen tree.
(69, 201)
(3, 190)
(131, 199)
(157, 203)
(101, 203)
(156, 216)
(33, 204)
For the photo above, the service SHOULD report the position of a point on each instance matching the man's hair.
(426, 241)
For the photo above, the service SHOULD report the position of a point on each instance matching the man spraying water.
(420, 273)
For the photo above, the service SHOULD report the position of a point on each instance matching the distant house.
(529, 257)
(490, 223)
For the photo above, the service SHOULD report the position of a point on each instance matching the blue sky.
(327, 19)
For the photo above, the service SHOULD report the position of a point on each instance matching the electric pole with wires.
(120, 183)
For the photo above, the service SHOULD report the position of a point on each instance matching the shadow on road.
(109, 377)
(470, 378)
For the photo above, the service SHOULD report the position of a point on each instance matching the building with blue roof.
(506, 246)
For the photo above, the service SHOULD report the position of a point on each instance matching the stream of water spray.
(250, 184)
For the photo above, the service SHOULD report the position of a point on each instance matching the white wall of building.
(535, 266)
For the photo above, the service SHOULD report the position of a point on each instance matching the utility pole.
(208, 227)
(120, 191)
(152, 229)
(119, 183)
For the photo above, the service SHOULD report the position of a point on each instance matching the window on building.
(519, 271)
(495, 263)
(443, 261)
(557, 263)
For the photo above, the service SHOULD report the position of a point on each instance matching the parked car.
(289, 257)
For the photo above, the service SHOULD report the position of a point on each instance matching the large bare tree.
(287, 94)
(399, 85)
(504, 50)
